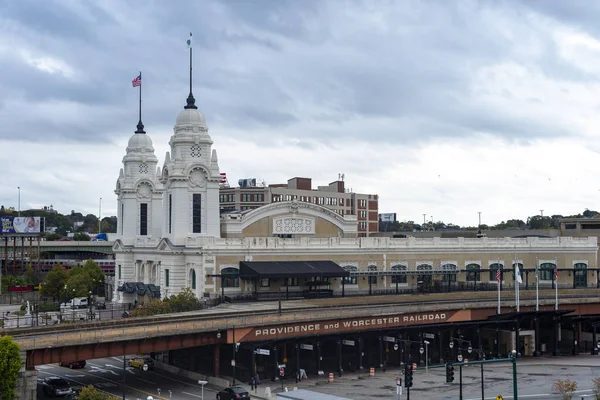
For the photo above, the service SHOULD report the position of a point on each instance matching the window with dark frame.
(197, 213)
(143, 219)
(170, 212)
(166, 277)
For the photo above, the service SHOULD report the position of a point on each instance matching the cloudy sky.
(444, 108)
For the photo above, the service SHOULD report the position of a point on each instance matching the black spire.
(138, 82)
(191, 101)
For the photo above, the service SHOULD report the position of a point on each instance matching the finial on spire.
(191, 102)
(138, 82)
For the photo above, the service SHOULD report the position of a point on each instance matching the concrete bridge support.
(27, 382)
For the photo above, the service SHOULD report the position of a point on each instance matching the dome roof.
(190, 117)
(140, 141)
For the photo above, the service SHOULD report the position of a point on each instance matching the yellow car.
(139, 362)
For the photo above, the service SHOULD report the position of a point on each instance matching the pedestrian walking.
(252, 383)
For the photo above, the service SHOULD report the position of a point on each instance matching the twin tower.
(179, 200)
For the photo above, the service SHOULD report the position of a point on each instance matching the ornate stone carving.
(293, 225)
(144, 190)
(294, 207)
(143, 168)
(195, 151)
(197, 178)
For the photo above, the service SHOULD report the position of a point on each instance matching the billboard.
(21, 224)
(387, 217)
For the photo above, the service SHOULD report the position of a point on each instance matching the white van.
(78, 302)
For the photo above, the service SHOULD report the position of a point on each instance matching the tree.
(81, 237)
(566, 388)
(52, 236)
(91, 393)
(32, 275)
(55, 281)
(185, 300)
(77, 286)
(10, 364)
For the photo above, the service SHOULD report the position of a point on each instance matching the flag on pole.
(498, 275)
(555, 273)
(223, 177)
(137, 81)
(189, 41)
(519, 277)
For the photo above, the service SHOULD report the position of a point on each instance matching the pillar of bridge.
(27, 382)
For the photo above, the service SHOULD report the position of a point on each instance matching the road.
(107, 375)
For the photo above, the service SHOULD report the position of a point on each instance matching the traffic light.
(449, 373)
(408, 376)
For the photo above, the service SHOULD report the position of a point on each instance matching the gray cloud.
(264, 65)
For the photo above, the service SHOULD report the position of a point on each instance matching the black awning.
(285, 269)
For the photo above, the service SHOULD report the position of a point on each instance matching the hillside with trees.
(532, 222)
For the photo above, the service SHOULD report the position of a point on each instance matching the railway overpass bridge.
(359, 331)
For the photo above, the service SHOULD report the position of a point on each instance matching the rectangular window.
(166, 277)
(119, 272)
(144, 219)
(197, 213)
(291, 281)
(265, 282)
(170, 212)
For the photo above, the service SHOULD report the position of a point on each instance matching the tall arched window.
(546, 271)
(350, 280)
(425, 273)
(473, 274)
(399, 278)
(494, 269)
(372, 279)
(450, 272)
(230, 277)
(193, 279)
(580, 275)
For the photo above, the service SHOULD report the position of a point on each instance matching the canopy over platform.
(285, 269)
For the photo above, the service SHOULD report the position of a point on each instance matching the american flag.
(498, 275)
(223, 177)
(137, 81)
(555, 273)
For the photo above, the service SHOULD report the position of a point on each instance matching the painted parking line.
(190, 394)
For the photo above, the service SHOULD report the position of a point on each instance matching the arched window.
(473, 274)
(399, 278)
(580, 275)
(193, 279)
(372, 279)
(230, 277)
(494, 269)
(350, 280)
(425, 275)
(450, 272)
(546, 271)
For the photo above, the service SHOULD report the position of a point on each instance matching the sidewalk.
(307, 383)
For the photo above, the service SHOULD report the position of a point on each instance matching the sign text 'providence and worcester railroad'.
(345, 325)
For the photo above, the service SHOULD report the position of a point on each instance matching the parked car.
(233, 393)
(56, 386)
(72, 364)
(100, 305)
(139, 362)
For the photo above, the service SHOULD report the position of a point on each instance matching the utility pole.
(19, 201)
(479, 226)
(542, 213)
(100, 215)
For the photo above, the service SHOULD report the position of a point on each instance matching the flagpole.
(140, 111)
(498, 279)
(537, 285)
(556, 282)
(191, 102)
(516, 280)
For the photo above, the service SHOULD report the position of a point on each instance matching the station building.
(171, 235)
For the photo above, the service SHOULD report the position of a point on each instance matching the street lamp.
(202, 383)
(426, 354)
